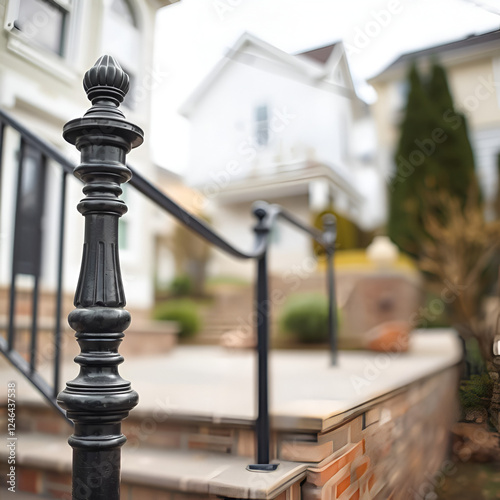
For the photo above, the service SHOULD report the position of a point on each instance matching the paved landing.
(216, 384)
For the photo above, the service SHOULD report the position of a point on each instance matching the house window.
(262, 125)
(42, 22)
(400, 95)
(121, 38)
(122, 9)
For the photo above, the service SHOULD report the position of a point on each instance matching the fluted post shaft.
(98, 399)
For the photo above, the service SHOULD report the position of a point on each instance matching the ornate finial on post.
(98, 399)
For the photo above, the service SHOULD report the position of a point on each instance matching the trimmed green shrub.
(184, 312)
(181, 285)
(305, 316)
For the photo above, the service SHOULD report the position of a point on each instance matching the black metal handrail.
(157, 196)
(266, 216)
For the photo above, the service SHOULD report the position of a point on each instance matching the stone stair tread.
(184, 471)
(214, 384)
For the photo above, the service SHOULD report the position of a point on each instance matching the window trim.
(262, 125)
(51, 62)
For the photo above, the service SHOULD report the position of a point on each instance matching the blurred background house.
(289, 129)
(265, 124)
(45, 47)
(473, 69)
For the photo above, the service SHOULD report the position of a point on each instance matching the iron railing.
(98, 404)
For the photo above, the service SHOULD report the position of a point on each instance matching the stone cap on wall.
(216, 385)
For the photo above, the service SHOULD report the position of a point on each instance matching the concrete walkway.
(212, 383)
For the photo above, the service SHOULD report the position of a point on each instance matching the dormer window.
(262, 125)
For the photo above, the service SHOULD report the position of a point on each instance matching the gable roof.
(306, 66)
(471, 43)
(321, 54)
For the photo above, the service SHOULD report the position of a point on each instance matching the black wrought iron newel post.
(98, 399)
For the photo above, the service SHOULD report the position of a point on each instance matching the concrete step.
(43, 468)
(197, 405)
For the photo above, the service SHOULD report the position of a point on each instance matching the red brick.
(59, 494)
(188, 496)
(125, 491)
(29, 480)
(51, 425)
(141, 493)
(371, 481)
(343, 485)
(55, 478)
(58, 485)
(319, 476)
(355, 496)
(357, 451)
(361, 469)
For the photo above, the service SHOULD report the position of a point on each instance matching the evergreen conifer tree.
(454, 159)
(405, 198)
(434, 155)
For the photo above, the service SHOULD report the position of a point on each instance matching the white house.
(45, 49)
(288, 129)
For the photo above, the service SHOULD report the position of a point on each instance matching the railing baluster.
(262, 424)
(60, 257)
(12, 294)
(329, 238)
(2, 134)
(98, 399)
(34, 309)
(34, 323)
(12, 311)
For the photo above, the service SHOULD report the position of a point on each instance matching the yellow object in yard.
(358, 260)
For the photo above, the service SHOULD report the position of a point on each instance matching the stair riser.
(57, 485)
(159, 432)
